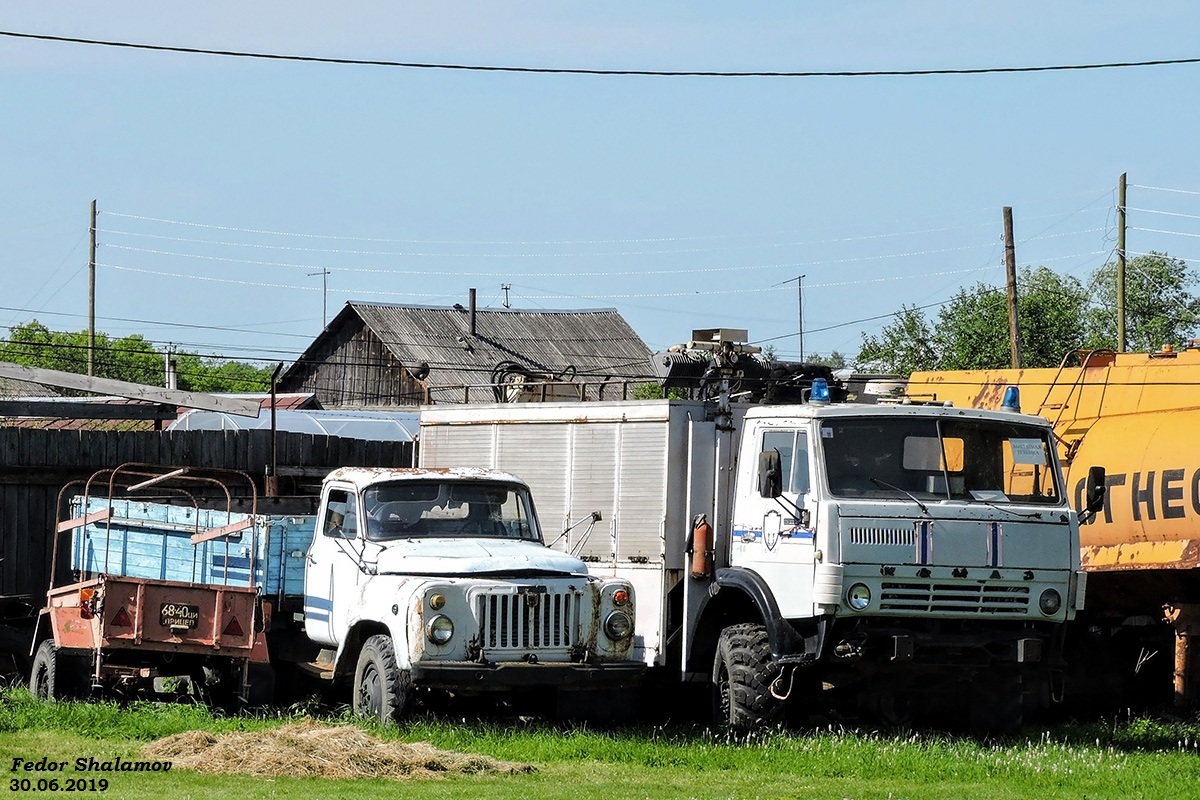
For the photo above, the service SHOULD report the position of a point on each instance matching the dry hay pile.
(309, 749)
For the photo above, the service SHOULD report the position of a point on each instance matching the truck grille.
(951, 598)
(527, 621)
(883, 536)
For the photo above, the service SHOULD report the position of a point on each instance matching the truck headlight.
(440, 629)
(618, 625)
(1050, 602)
(858, 596)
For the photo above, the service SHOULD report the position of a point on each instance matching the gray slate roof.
(596, 343)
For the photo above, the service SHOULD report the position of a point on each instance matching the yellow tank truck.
(1137, 415)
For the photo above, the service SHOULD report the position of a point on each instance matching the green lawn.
(1131, 759)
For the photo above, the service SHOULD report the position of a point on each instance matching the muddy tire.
(382, 691)
(59, 675)
(742, 676)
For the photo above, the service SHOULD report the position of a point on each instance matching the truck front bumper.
(461, 675)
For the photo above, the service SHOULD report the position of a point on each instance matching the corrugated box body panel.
(643, 501)
(153, 541)
(627, 460)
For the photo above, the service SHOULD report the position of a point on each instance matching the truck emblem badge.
(772, 525)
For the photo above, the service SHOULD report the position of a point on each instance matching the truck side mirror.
(1096, 489)
(770, 473)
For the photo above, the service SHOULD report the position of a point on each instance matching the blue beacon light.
(1012, 399)
(819, 395)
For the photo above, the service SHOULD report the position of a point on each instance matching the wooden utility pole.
(1121, 264)
(1010, 268)
(92, 297)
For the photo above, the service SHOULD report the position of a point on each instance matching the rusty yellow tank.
(1136, 415)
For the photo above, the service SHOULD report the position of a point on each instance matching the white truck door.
(333, 570)
(775, 536)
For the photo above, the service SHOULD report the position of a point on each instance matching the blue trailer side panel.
(153, 540)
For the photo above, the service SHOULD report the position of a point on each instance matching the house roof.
(593, 344)
(12, 388)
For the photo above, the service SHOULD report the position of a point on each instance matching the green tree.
(834, 360)
(971, 330)
(1159, 305)
(130, 358)
(904, 346)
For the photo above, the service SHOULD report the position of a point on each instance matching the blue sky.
(226, 187)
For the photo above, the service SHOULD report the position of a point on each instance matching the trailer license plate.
(177, 616)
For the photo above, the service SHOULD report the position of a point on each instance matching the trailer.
(160, 604)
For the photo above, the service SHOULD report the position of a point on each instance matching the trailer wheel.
(58, 675)
(742, 676)
(382, 690)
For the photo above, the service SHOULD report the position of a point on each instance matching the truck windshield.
(971, 460)
(407, 509)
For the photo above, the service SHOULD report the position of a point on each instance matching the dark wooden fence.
(36, 464)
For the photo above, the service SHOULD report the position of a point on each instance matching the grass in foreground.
(1129, 759)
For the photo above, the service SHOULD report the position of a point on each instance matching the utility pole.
(1121, 264)
(799, 279)
(92, 297)
(504, 287)
(1010, 268)
(169, 366)
(800, 314)
(324, 295)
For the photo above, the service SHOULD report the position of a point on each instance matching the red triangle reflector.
(121, 619)
(233, 629)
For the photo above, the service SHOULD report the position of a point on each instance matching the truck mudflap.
(789, 647)
(518, 675)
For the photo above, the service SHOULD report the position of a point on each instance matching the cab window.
(793, 457)
(341, 517)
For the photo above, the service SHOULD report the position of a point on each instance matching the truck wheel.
(57, 675)
(742, 676)
(382, 690)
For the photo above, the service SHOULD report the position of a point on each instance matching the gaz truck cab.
(441, 579)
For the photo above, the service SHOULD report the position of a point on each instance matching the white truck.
(404, 580)
(900, 560)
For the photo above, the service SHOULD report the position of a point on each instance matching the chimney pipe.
(471, 302)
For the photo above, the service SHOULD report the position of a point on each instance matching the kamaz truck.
(895, 559)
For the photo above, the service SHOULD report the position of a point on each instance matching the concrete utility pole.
(1121, 264)
(1010, 267)
(92, 297)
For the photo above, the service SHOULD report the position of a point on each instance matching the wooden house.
(384, 355)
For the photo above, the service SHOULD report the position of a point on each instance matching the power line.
(600, 72)
(1162, 189)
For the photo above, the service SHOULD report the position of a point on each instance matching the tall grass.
(1121, 758)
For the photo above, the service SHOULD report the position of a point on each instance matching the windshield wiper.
(905, 492)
